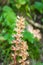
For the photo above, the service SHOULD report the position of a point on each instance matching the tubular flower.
(20, 48)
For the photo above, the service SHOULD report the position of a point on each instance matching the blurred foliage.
(7, 23)
(39, 6)
(33, 45)
(36, 63)
(9, 9)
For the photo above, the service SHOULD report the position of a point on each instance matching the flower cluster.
(20, 48)
(35, 32)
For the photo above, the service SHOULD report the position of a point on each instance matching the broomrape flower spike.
(20, 44)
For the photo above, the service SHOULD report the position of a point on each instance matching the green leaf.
(9, 15)
(0, 19)
(7, 36)
(22, 2)
(42, 19)
(39, 6)
(28, 36)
